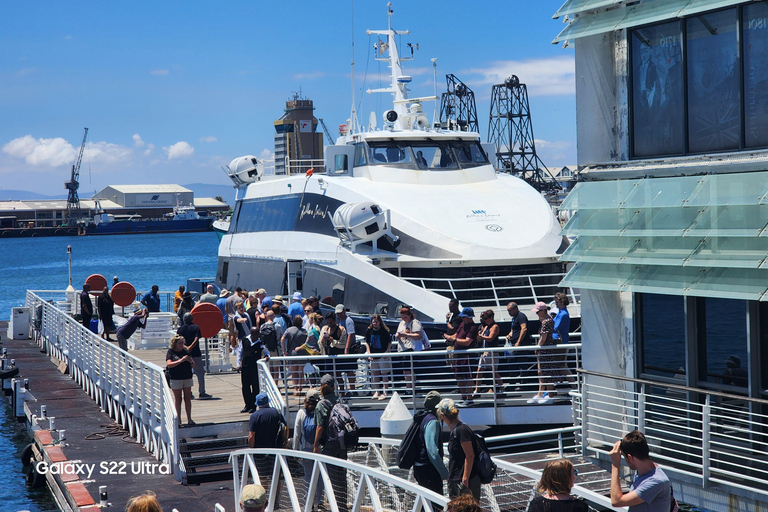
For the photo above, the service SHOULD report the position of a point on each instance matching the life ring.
(9, 373)
(34, 479)
(27, 454)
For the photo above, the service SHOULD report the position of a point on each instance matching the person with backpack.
(304, 430)
(270, 334)
(293, 338)
(326, 440)
(253, 350)
(462, 474)
(428, 468)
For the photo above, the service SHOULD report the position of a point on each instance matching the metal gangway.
(375, 482)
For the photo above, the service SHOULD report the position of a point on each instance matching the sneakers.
(546, 399)
(205, 395)
(534, 400)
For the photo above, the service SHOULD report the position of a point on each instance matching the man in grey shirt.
(209, 297)
(650, 488)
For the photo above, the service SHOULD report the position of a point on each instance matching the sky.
(172, 91)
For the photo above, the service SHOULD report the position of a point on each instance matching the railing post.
(533, 289)
(641, 408)
(705, 438)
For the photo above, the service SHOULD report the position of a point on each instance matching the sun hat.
(253, 495)
(224, 293)
(297, 296)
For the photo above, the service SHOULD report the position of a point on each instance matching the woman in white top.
(408, 337)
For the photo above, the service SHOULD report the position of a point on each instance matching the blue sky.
(171, 91)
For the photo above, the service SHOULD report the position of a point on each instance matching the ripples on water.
(166, 260)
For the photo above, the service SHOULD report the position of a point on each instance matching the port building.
(296, 137)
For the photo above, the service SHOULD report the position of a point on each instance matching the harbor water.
(166, 260)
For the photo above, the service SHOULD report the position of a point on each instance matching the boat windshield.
(427, 154)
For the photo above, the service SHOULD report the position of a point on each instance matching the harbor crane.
(74, 213)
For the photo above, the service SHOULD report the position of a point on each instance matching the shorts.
(181, 384)
(464, 364)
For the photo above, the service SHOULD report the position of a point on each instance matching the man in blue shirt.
(152, 300)
(222, 304)
(650, 488)
(296, 308)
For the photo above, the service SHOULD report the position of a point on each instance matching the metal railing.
(375, 482)
(507, 372)
(131, 391)
(717, 438)
(495, 292)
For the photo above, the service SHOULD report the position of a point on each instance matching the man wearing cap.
(465, 338)
(349, 366)
(209, 297)
(296, 308)
(222, 304)
(315, 303)
(126, 330)
(429, 469)
(519, 361)
(264, 299)
(263, 427)
(331, 447)
(253, 498)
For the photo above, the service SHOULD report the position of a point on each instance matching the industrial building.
(296, 138)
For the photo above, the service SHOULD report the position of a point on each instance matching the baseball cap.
(340, 308)
(296, 295)
(431, 400)
(540, 306)
(262, 400)
(326, 379)
(467, 312)
(253, 495)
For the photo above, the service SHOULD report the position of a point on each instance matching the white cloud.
(137, 140)
(159, 72)
(25, 71)
(41, 152)
(266, 154)
(106, 153)
(312, 75)
(150, 148)
(181, 149)
(209, 139)
(544, 77)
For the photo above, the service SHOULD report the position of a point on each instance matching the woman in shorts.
(488, 337)
(378, 340)
(179, 364)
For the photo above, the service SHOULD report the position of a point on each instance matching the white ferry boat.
(406, 212)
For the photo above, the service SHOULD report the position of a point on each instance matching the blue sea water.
(166, 260)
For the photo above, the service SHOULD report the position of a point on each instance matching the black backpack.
(486, 468)
(410, 446)
(342, 426)
(281, 440)
(268, 336)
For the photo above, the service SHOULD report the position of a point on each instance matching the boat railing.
(495, 292)
(133, 392)
(292, 167)
(375, 482)
(507, 373)
(707, 437)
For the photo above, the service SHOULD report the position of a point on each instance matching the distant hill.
(24, 195)
(227, 192)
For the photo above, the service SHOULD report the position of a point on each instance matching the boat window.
(340, 164)
(427, 155)
(360, 154)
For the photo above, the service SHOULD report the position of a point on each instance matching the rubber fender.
(27, 454)
(9, 373)
(34, 479)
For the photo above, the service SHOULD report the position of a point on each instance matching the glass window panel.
(755, 27)
(662, 279)
(591, 24)
(730, 252)
(745, 188)
(736, 283)
(598, 194)
(724, 221)
(724, 359)
(673, 251)
(598, 222)
(657, 91)
(662, 334)
(573, 6)
(714, 113)
(601, 249)
(593, 276)
(661, 192)
(661, 222)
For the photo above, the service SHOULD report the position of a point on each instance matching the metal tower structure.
(457, 106)
(74, 214)
(511, 130)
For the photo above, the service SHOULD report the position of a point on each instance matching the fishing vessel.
(183, 218)
(403, 211)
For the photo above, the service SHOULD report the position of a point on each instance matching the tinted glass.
(657, 90)
(724, 362)
(755, 30)
(714, 113)
(662, 331)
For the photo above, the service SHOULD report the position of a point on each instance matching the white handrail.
(133, 392)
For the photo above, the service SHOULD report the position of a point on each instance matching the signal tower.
(457, 106)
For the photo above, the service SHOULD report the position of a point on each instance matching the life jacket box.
(18, 327)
